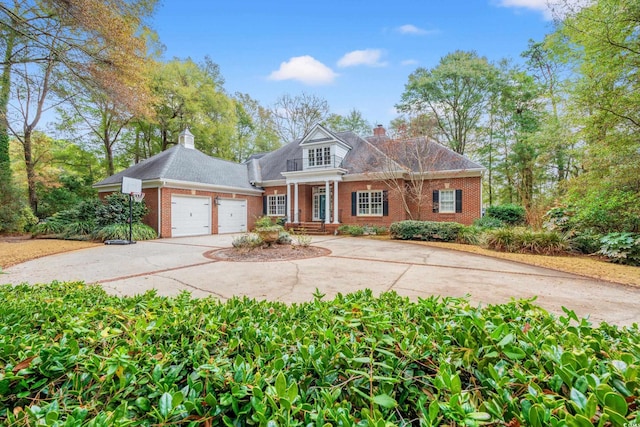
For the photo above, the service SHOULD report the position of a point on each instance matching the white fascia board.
(187, 185)
(335, 174)
(456, 173)
(272, 183)
(373, 176)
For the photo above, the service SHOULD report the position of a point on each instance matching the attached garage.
(190, 216)
(232, 216)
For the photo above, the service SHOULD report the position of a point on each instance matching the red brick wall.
(471, 200)
(254, 207)
(396, 213)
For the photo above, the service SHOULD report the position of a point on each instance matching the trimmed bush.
(72, 355)
(524, 240)
(425, 230)
(509, 214)
(488, 222)
(622, 248)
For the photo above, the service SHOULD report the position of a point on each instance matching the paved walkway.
(174, 265)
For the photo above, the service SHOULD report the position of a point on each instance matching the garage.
(190, 216)
(232, 216)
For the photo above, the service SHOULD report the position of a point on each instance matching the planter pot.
(270, 236)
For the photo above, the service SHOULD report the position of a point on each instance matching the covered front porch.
(313, 205)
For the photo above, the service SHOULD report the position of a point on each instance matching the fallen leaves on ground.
(16, 250)
(582, 265)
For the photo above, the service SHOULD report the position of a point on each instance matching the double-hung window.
(370, 203)
(319, 156)
(276, 205)
(447, 201)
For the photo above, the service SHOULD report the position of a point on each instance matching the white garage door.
(190, 216)
(232, 216)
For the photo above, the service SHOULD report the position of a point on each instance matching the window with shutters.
(447, 201)
(276, 205)
(370, 203)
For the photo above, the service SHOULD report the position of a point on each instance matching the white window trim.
(453, 201)
(370, 203)
(279, 204)
(318, 157)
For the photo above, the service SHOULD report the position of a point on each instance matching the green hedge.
(426, 230)
(509, 214)
(72, 355)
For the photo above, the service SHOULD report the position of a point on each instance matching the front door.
(319, 204)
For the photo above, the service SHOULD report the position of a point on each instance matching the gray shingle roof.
(366, 153)
(184, 164)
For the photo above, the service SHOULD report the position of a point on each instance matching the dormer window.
(319, 156)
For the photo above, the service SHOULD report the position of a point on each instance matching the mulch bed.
(267, 254)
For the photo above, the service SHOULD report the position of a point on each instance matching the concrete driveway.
(173, 265)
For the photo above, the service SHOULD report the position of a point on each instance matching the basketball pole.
(130, 217)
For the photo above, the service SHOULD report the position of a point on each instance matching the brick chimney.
(379, 131)
(186, 139)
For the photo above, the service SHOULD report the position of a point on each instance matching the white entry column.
(288, 214)
(335, 202)
(327, 203)
(296, 210)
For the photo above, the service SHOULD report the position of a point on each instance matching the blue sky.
(353, 53)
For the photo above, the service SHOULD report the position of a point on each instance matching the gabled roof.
(184, 164)
(320, 135)
(365, 154)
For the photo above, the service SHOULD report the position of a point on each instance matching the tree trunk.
(30, 167)
(5, 86)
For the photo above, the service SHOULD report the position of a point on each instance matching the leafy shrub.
(139, 231)
(303, 240)
(509, 214)
(247, 241)
(471, 235)
(284, 238)
(606, 210)
(352, 360)
(524, 240)
(352, 230)
(115, 210)
(585, 242)
(425, 230)
(11, 204)
(51, 225)
(622, 248)
(487, 222)
(559, 219)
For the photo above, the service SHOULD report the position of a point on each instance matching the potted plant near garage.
(267, 230)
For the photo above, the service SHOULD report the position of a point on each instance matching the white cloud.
(368, 57)
(549, 8)
(412, 29)
(305, 69)
(409, 62)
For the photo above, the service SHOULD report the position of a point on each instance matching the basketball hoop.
(137, 197)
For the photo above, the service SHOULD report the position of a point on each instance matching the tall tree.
(455, 92)
(255, 129)
(102, 41)
(353, 122)
(294, 116)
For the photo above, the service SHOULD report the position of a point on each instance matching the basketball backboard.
(131, 185)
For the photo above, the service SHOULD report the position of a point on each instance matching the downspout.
(160, 208)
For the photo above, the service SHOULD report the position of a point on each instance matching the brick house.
(322, 180)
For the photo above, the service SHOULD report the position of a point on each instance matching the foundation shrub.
(139, 231)
(425, 230)
(488, 222)
(471, 235)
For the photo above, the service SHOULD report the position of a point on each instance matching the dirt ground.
(582, 265)
(15, 250)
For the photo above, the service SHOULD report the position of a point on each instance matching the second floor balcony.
(322, 162)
